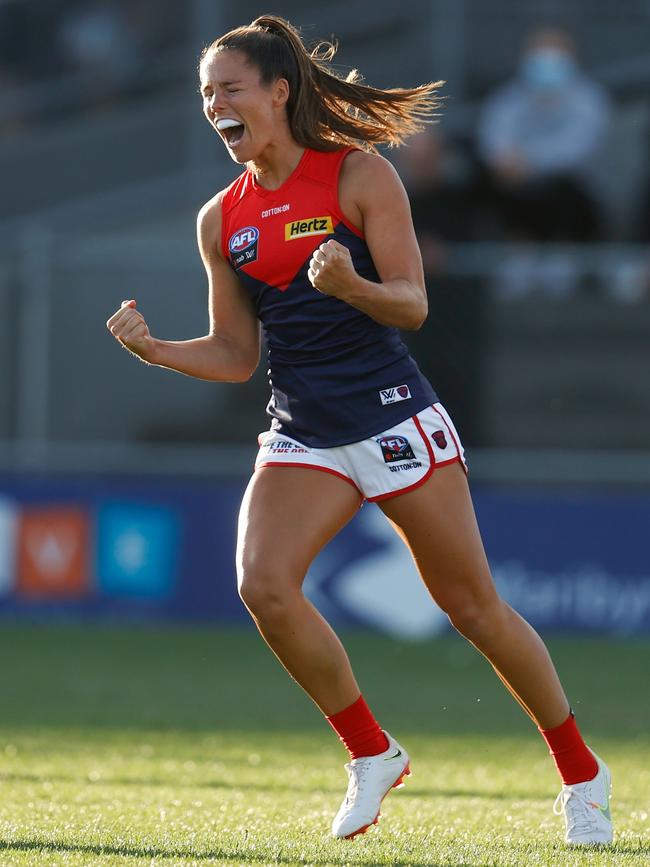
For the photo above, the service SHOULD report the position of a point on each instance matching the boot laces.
(356, 773)
(577, 809)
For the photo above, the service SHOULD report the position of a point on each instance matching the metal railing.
(48, 251)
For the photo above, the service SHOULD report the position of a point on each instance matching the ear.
(280, 92)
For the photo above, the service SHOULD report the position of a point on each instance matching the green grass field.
(149, 746)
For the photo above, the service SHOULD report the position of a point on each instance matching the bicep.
(231, 312)
(388, 226)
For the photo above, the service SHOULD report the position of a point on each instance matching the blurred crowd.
(527, 176)
(80, 54)
(526, 171)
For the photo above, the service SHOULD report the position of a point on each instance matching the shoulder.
(212, 208)
(363, 167)
(369, 186)
(223, 201)
(368, 174)
(208, 223)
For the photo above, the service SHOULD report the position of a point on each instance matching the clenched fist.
(331, 270)
(127, 325)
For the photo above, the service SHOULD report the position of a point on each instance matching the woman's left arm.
(373, 198)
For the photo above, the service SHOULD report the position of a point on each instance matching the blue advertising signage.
(163, 548)
(137, 550)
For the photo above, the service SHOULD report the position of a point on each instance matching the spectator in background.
(438, 177)
(98, 42)
(27, 56)
(539, 135)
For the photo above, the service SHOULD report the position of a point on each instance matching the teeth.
(227, 123)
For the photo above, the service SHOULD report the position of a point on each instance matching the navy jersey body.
(336, 375)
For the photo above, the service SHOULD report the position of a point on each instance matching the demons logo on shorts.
(439, 439)
(395, 448)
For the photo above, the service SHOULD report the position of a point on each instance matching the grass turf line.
(179, 747)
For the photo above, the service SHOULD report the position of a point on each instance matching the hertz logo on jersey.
(305, 228)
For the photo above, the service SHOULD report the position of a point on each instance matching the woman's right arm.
(231, 351)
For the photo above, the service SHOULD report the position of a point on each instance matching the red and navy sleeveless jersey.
(336, 375)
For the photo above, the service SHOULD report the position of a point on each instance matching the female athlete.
(315, 241)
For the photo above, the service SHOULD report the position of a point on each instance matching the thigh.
(438, 524)
(287, 515)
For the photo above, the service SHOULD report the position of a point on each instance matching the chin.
(242, 156)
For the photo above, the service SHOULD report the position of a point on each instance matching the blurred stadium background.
(119, 483)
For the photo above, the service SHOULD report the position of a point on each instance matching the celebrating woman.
(314, 240)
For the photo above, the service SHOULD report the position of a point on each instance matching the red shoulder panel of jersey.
(269, 235)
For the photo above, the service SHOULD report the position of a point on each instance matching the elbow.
(230, 373)
(243, 375)
(417, 318)
(418, 323)
(244, 371)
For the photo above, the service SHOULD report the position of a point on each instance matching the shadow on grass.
(246, 856)
(614, 849)
(249, 856)
(411, 790)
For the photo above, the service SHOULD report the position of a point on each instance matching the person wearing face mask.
(539, 137)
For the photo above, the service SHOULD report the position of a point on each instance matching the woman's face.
(244, 111)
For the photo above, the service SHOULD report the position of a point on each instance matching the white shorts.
(392, 462)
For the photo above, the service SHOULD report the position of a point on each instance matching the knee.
(264, 593)
(477, 618)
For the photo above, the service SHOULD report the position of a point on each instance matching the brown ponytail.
(325, 111)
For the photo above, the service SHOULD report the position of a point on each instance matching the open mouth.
(232, 130)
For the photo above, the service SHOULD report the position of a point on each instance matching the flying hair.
(326, 111)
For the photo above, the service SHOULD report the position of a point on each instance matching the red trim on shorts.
(425, 477)
(455, 460)
(310, 467)
(451, 434)
(417, 484)
(426, 441)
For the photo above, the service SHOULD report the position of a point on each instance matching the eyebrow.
(221, 84)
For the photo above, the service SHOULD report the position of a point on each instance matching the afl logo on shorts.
(243, 246)
(395, 448)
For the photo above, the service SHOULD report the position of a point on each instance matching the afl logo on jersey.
(243, 246)
(395, 448)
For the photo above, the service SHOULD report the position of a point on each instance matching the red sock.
(574, 761)
(359, 730)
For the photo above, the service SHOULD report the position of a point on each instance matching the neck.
(276, 163)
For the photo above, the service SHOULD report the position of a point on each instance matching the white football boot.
(371, 779)
(586, 809)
